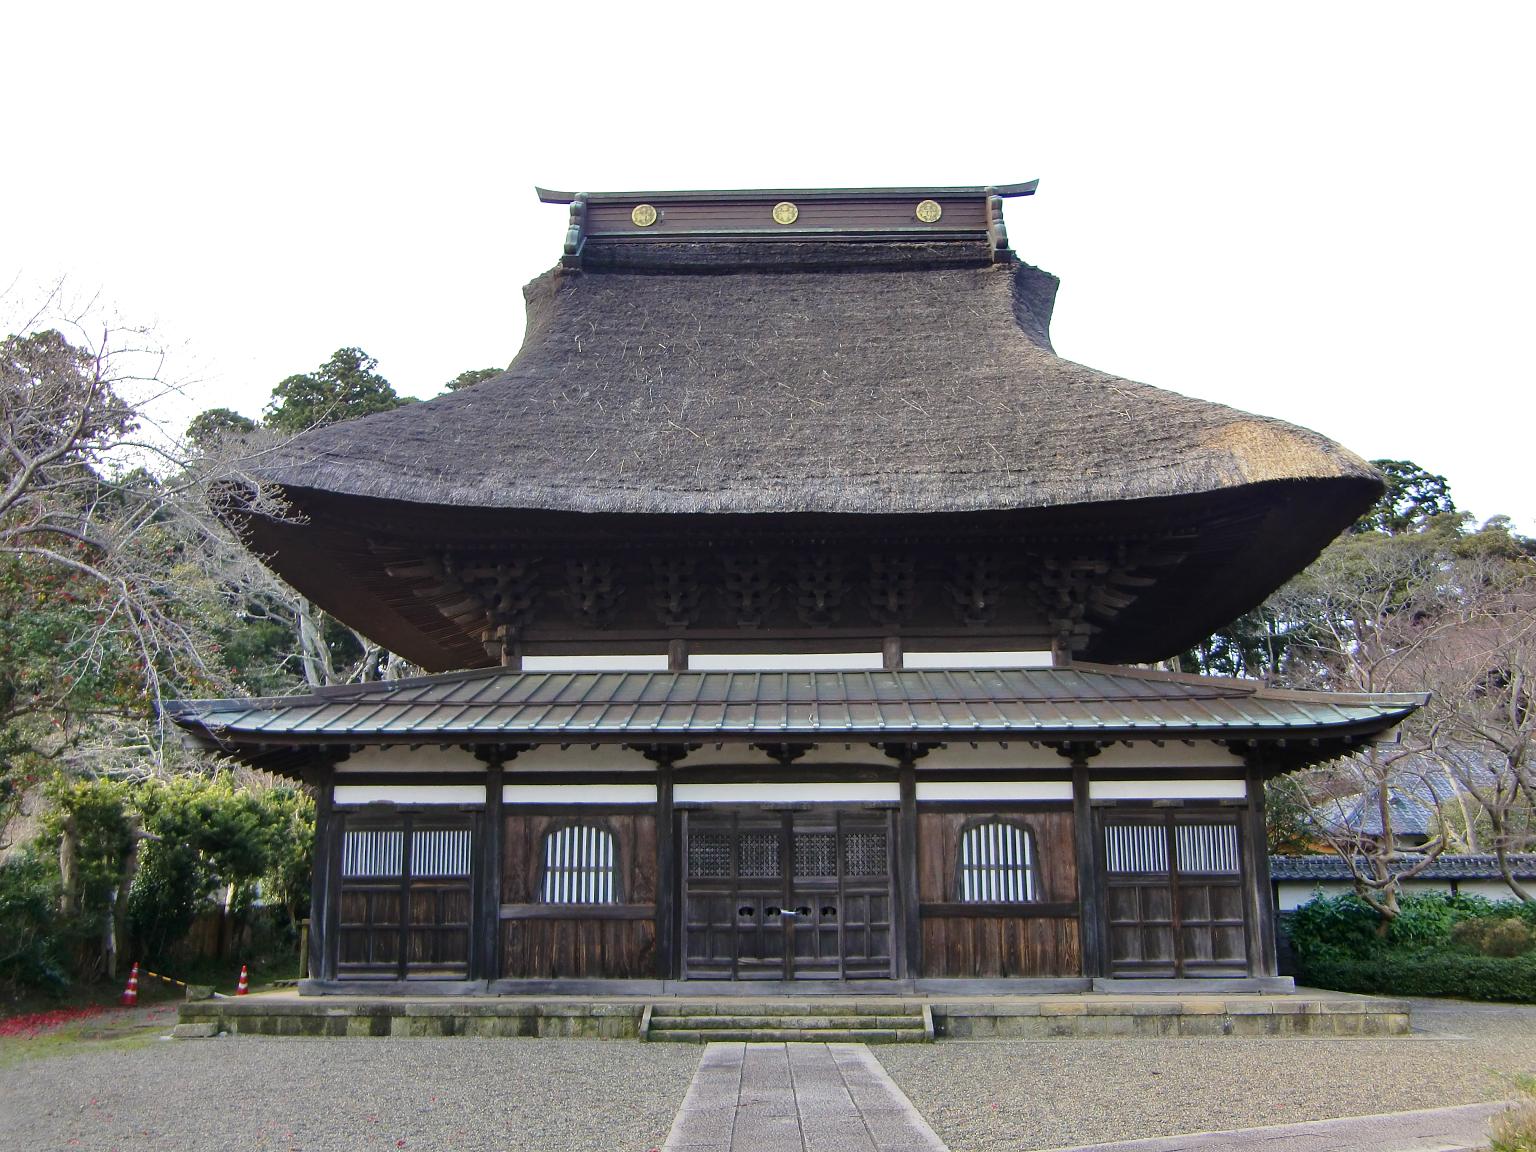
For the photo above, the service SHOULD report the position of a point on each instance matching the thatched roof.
(917, 380)
(785, 373)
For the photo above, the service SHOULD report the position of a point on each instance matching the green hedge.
(1439, 945)
(1435, 972)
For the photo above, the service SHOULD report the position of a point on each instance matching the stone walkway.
(796, 1098)
(837, 1098)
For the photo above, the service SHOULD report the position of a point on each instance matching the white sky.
(1320, 212)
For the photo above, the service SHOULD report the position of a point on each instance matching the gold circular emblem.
(929, 211)
(644, 215)
(785, 213)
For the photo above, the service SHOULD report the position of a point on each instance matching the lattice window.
(1206, 848)
(1136, 849)
(759, 856)
(815, 854)
(997, 864)
(440, 852)
(372, 853)
(580, 866)
(866, 854)
(709, 855)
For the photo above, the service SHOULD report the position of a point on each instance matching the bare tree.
(1355, 621)
(1480, 663)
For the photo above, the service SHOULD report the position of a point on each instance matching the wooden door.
(1173, 888)
(405, 899)
(800, 895)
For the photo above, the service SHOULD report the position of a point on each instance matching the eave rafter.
(1060, 592)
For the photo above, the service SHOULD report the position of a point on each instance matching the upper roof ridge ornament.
(947, 223)
(1007, 191)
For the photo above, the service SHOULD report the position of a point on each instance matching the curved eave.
(1249, 542)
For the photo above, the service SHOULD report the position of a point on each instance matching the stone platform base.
(962, 1017)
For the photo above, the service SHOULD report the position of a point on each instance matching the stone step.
(798, 1023)
(790, 1035)
(790, 1008)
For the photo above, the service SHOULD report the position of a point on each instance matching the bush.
(1423, 920)
(1335, 926)
(206, 838)
(30, 954)
(1503, 937)
(1427, 973)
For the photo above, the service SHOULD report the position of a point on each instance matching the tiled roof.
(1078, 702)
(1445, 867)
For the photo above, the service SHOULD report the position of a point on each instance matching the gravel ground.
(576, 1095)
(995, 1095)
(258, 1093)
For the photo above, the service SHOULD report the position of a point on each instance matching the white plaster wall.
(578, 793)
(785, 661)
(403, 758)
(789, 792)
(1150, 789)
(409, 794)
(638, 662)
(942, 660)
(1294, 893)
(935, 790)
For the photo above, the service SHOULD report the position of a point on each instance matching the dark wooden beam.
(1259, 892)
(667, 879)
(910, 958)
(322, 950)
(1085, 838)
(487, 921)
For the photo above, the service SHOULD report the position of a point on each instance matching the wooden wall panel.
(996, 946)
(587, 949)
(595, 942)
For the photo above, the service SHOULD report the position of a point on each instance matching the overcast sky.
(1321, 212)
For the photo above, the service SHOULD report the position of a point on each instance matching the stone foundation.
(971, 1018)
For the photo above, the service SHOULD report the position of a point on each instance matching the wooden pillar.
(666, 875)
(911, 965)
(487, 965)
(1260, 894)
(1089, 890)
(323, 880)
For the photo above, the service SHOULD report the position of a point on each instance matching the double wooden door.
(787, 895)
(405, 902)
(1174, 893)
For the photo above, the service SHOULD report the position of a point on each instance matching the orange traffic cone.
(245, 982)
(131, 993)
